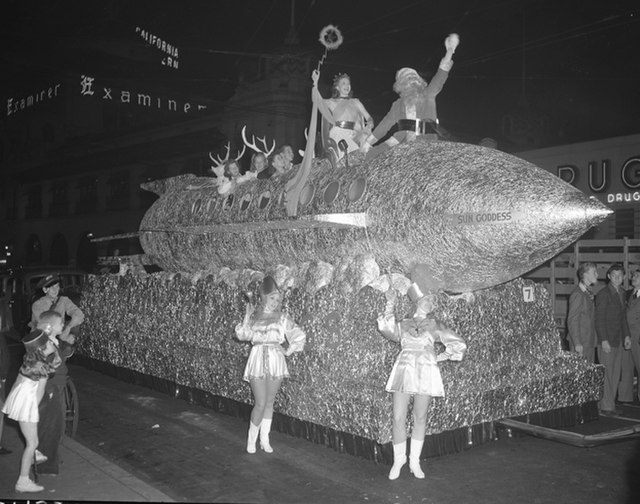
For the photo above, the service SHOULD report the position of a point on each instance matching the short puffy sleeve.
(35, 370)
(294, 334)
(455, 347)
(388, 327)
(244, 332)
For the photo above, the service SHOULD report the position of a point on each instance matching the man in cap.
(414, 113)
(52, 300)
(51, 407)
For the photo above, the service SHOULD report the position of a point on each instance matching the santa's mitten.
(451, 42)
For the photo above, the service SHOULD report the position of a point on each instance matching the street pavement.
(85, 475)
(136, 444)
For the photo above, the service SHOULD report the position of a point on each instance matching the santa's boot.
(414, 458)
(265, 428)
(252, 437)
(399, 459)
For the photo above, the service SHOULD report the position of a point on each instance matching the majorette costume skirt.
(22, 403)
(266, 360)
(416, 372)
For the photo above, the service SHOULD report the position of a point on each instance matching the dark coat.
(611, 319)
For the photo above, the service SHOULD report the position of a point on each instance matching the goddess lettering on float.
(489, 217)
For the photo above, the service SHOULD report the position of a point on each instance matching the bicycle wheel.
(72, 413)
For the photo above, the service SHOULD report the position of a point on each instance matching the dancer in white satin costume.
(415, 373)
(267, 328)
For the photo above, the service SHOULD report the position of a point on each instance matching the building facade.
(72, 160)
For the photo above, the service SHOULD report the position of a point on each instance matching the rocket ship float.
(460, 218)
(474, 217)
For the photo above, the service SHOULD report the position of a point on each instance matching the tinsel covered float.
(475, 217)
(180, 329)
(419, 207)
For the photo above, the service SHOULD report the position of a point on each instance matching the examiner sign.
(15, 105)
(136, 98)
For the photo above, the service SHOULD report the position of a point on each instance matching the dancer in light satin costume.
(415, 372)
(267, 328)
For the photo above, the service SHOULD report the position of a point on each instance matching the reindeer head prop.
(220, 163)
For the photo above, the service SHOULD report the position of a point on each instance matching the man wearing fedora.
(414, 113)
(52, 406)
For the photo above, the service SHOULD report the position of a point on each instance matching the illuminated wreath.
(330, 37)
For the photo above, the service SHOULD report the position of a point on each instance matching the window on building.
(34, 202)
(118, 191)
(87, 195)
(87, 253)
(59, 199)
(34, 250)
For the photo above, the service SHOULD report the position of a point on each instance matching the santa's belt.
(346, 124)
(418, 126)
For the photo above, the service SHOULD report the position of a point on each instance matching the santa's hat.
(405, 72)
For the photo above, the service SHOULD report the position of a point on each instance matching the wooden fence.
(559, 275)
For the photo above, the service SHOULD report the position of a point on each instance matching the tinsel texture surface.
(476, 217)
(181, 328)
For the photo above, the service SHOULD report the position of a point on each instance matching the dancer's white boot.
(252, 437)
(265, 428)
(399, 459)
(414, 458)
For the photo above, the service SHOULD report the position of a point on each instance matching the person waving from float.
(348, 120)
(414, 113)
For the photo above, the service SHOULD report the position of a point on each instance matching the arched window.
(34, 250)
(87, 253)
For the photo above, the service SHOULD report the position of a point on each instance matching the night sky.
(573, 64)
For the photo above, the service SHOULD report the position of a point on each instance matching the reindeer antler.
(240, 154)
(253, 145)
(219, 162)
(218, 167)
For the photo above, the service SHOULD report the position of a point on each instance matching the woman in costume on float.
(267, 328)
(415, 372)
(259, 163)
(231, 177)
(277, 167)
(348, 118)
